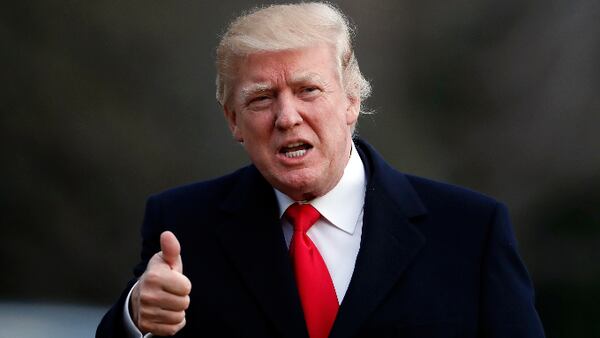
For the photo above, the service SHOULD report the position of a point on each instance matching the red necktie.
(317, 294)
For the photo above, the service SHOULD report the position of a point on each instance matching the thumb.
(171, 250)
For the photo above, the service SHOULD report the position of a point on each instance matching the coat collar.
(393, 184)
(390, 241)
(252, 236)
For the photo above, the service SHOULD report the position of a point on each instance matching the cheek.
(255, 125)
(257, 136)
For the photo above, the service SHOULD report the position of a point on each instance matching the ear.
(352, 110)
(231, 118)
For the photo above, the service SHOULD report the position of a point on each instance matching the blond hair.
(284, 27)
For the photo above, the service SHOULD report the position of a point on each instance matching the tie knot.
(302, 216)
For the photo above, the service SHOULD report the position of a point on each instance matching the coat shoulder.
(447, 191)
(202, 191)
(440, 196)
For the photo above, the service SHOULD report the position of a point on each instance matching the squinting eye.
(260, 98)
(309, 91)
(259, 102)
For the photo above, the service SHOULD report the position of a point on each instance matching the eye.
(310, 89)
(258, 102)
(309, 92)
(259, 98)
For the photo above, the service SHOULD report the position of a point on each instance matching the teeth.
(294, 145)
(297, 153)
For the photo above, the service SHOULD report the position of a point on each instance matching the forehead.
(310, 63)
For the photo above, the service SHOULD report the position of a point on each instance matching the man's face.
(294, 118)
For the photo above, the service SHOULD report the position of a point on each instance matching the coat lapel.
(251, 235)
(389, 241)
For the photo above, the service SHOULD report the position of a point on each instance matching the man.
(319, 236)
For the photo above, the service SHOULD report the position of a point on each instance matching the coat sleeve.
(507, 299)
(112, 324)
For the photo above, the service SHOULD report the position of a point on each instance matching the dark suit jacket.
(435, 261)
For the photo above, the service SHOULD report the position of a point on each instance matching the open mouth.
(295, 150)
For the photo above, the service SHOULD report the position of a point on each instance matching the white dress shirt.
(336, 234)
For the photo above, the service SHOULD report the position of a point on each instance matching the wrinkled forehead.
(309, 63)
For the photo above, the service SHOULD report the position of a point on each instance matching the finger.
(177, 284)
(164, 300)
(171, 250)
(154, 283)
(161, 316)
(171, 281)
(161, 329)
(175, 303)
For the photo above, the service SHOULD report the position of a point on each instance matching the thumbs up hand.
(170, 251)
(161, 296)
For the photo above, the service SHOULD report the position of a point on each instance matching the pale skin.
(159, 300)
(288, 97)
(291, 112)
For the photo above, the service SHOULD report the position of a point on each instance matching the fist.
(161, 296)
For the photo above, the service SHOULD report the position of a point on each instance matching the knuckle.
(152, 277)
(156, 258)
(187, 285)
(145, 325)
(172, 318)
(147, 298)
(179, 316)
(181, 324)
(186, 302)
(145, 314)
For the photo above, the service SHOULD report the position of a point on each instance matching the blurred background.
(105, 102)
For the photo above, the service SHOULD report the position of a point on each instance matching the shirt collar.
(342, 205)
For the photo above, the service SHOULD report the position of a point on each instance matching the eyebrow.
(254, 89)
(261, 87)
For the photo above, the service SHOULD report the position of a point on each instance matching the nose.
(287, 113)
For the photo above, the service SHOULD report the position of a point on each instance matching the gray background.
(104, 103)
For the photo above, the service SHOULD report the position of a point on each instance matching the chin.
(298, 187)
